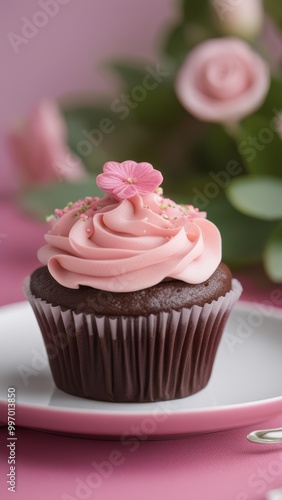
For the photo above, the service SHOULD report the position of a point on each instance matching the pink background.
(62, 58)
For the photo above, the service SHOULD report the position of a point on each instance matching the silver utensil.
(274, 494)
(266, 436)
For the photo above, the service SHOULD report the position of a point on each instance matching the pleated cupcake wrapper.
(162, 356)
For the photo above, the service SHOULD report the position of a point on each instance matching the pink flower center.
(130, 180)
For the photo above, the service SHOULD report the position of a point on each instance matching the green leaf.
(131, 73)
(177, 43)
(129, 138)
(257, 196)
(148, 94)
(41, 202)
(86, 125)
(273, 7)
(273, 101)
(243, 238)
(197, 11)
(260, 146)
(273, 255)
(89, 113)
(183, 37)
(197, 24)
(215, 150)
(160, 108)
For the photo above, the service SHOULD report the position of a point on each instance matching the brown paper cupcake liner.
(161, 356)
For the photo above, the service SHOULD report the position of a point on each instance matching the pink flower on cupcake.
(222, 80)
(126, 179)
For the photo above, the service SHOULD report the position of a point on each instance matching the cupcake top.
(132, 238)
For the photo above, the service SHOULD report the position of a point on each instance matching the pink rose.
(222, 80)
(39, 149)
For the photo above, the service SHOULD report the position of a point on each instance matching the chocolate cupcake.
(133, 296)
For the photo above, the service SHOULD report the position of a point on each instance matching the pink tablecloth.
(218, 466)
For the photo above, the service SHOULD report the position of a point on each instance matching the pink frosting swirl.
(131, 244)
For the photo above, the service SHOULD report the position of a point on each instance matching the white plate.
(245, 386)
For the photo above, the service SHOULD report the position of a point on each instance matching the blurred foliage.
(148, 123)
(43, 201)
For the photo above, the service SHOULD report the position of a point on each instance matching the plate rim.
(60, 411)
(213, 409)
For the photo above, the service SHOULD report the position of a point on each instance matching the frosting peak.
(132, 238)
